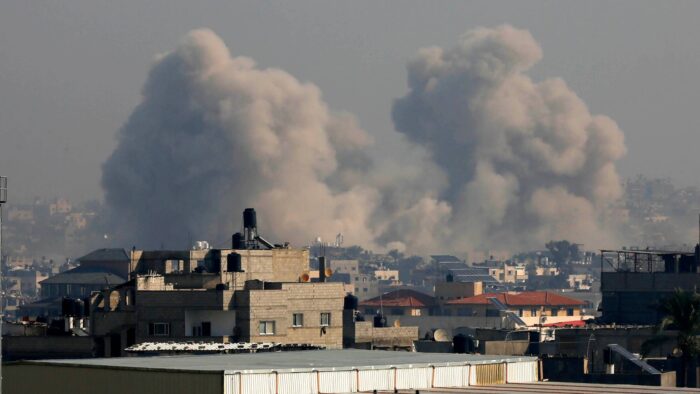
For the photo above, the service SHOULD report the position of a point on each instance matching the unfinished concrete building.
(635, 282)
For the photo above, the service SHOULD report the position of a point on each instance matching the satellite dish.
(305, 277)
(328, 272)
(440, 335)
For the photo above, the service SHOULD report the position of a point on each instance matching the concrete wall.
(452, 324)
(578, 342)
(644, 281)
(222, 322)
(274, 265)
(385, 337)
(310, 299)
(16, 348)
(25, 378)
(512, 347)
(445, 291)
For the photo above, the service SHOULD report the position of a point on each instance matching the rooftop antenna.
(3, 200)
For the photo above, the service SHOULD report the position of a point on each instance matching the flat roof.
(302, 360)
(559, 387)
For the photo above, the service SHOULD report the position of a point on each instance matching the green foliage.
(563, 251)
(682, 313)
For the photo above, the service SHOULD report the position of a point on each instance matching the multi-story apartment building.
(255, 291)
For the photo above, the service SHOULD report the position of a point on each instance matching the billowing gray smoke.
(215, 134)
(501, 161)
(526, 161)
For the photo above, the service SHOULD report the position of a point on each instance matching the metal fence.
(386, 378)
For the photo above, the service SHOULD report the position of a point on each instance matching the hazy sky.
(70, 74)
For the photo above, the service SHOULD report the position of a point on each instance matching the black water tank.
(79, 308)
(233, 263)
(460, 343)
(67, 307)
(379, 320)
(249, 218)
(237, 241)
(350, 302)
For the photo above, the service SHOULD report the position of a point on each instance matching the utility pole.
(3, 200)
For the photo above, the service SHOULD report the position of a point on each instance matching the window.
(397, 311)
(520, 312)
(325, 319)
(298, 320)
(267, 327)
(159, 329)
(533, 312)
(492, 313)
(570, 312)
(196, 331)
(415, 312)
(555, 312)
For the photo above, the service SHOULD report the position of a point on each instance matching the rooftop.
(85, 275)
(402, 298)
(279, 361)
(559, 387)
(112, 254)
(527, 298)
(445, 258)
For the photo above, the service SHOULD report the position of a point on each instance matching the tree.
(563, 251)
(681, 312)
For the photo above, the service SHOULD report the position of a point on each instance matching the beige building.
(546, 271)
(389, 275)
(509, 273)
(533, 307)
(255, 292)
(446, 291)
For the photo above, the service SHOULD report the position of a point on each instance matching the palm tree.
(681, 312)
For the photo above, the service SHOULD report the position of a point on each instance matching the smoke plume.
(525, 160)
(500, 161)
(215, 134)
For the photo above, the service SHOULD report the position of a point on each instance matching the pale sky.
(71, 73)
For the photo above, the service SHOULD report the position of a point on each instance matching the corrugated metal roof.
(284, 361)
(561, 387)
(445, 258)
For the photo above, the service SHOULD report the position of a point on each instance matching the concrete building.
(253, 292)
(113, 260)
(300, 372)
(24, 281)
(446, 291)
(78, 282)
(509, 273)
(404, 302)
(387, 275)
(634, 282)
(534, 307)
